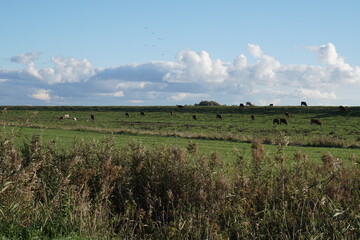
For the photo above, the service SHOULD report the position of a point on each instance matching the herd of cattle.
(276, 121)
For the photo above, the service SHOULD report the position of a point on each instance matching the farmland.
(340, 129)
(167, 175)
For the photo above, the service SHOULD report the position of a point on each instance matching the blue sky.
(179, 52)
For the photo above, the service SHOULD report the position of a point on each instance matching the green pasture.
(340, 129)
(229, 151)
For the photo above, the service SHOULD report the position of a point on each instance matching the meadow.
(168, 176)
(340, 129)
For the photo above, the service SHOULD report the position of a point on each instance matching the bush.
(208, 103)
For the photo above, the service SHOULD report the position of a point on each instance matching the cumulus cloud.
(65, 70)
(191, 77)
(337, 70)
(197, 67)
(255, 50)
(41, 94)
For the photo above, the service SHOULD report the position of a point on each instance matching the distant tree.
(207, 103)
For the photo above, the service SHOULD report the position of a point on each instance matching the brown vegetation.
(95, 190)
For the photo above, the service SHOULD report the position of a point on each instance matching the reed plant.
(96, 190)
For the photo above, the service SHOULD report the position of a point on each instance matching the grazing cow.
(127, 114)
(303, 104)
(252, 117)
(276, 121)
(61, 118)
(316, 121)
(142, 114)
(283, 121)
(66, 116)
(92, 117)
(271, 105)
(342, 109)
(194, 117)
(180, 106)
(249, 104)
(218, 116)
(242, 105)
(287, 115)
(74, 118)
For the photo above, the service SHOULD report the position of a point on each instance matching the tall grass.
(95, 190)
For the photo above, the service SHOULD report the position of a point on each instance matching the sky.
(146, 53)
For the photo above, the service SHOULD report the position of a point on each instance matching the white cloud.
(179, 96)
(255, 50)
(41, 94)
(189, 78)
(113, 94)
(336, 70)
(131, 85)
(315, 94)
(197, 67)
(26, 58)
(188, 96)
(65, 70)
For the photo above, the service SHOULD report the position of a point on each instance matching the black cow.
(61, 118)
(342, 109)
(92, 117)
(142, 114)
(180, 106)
(303, 104)
(218, 116)
(271, 105)
(242, 105)
(127, 114)
(252, 117)
(276, 121)
(316, 121)
(283, 121)
(287, 115)
(194, 117)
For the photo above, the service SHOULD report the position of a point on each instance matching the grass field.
(163, 176)
(340, 129)
(339, 135)
(227, 150)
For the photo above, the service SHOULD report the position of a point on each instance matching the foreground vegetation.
(97, 190)
(168, 176)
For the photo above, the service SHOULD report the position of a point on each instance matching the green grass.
(227, 150)
(163, 176)
(339, 129)
(114, 188)
(339, 135)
